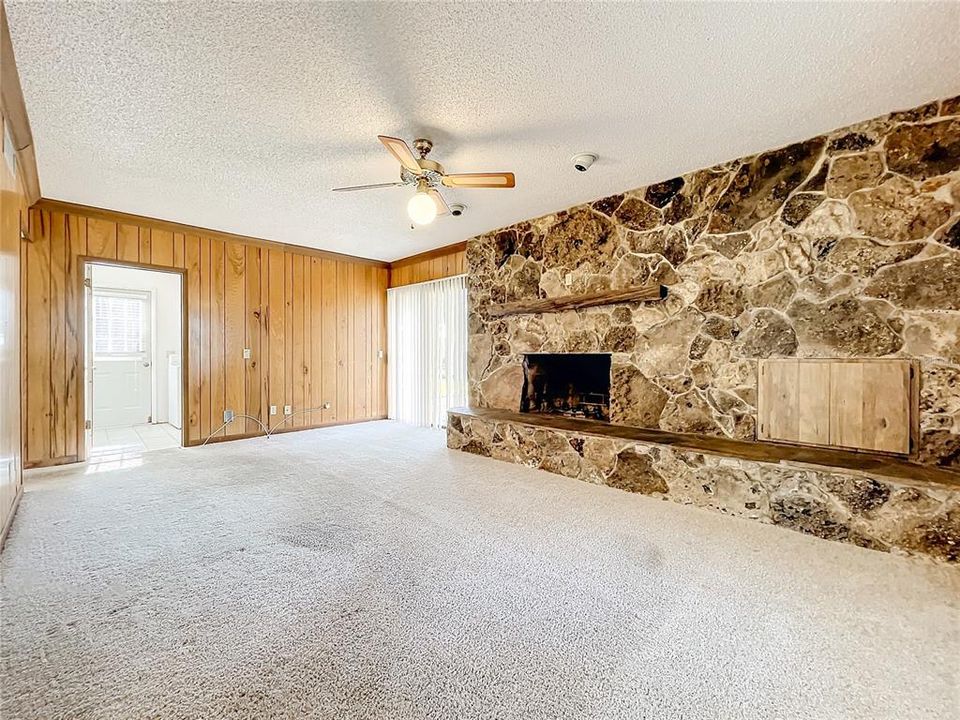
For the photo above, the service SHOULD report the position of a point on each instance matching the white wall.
(165, 289)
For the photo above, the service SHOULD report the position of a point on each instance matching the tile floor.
(138, 438)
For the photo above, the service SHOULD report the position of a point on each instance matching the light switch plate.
(273, 409)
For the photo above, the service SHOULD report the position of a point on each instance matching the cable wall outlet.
(228, 416)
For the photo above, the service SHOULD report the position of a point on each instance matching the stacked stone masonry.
(871, 512)
(845, 245)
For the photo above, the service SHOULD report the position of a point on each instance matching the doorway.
(133, 351)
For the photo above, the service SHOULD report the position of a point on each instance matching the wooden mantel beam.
(642, 293)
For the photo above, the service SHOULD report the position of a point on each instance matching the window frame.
(145, 297)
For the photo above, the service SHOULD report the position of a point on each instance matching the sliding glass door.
(427, 346)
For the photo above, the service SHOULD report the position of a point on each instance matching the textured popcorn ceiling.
(241, 118)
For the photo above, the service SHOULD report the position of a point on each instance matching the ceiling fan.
(428, 176)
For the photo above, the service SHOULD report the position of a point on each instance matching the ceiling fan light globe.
(422, 209)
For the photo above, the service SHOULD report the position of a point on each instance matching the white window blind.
(427, 345)
(119, 323)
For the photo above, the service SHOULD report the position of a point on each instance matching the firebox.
(571, 384)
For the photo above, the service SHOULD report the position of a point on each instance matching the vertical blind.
(427, 345)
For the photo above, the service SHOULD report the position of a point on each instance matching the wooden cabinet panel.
(846, 404)
(864, 404)
(777, 400)
(813, 402)
(870, 405)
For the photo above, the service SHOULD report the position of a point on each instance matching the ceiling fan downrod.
(423, 146)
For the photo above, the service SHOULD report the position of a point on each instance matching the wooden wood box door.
(871, 405)
(863, 404)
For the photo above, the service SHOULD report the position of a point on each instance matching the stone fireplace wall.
(844, 245)
(868, 510)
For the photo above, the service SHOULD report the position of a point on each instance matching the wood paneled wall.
(18, 184)
(433, 265)
(315, 324)
(13, 212)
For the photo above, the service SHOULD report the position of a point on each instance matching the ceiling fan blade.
(442, 207)
(401, 151)
(368, 187)
(480, 180)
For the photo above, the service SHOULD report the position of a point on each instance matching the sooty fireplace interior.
(571, 384)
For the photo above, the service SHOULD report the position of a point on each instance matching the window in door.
(121, 323)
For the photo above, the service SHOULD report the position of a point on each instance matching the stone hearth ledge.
(868, 500)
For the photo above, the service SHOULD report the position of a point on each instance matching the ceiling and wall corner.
(16, 122)
(242, 118)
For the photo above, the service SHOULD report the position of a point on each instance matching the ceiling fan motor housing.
(432, 172)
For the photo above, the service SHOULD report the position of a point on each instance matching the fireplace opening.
(571, 384)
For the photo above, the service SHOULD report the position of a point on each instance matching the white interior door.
(121, 342)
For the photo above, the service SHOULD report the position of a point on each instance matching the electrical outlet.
(273, 409)
(228, 416)
(380, 354)
(247, 353)
(287, 410)
(568, 279)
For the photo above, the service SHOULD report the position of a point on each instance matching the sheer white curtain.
(427, 350)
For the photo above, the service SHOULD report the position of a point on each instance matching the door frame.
(84, 261)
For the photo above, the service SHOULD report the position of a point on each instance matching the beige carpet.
(368, 572)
